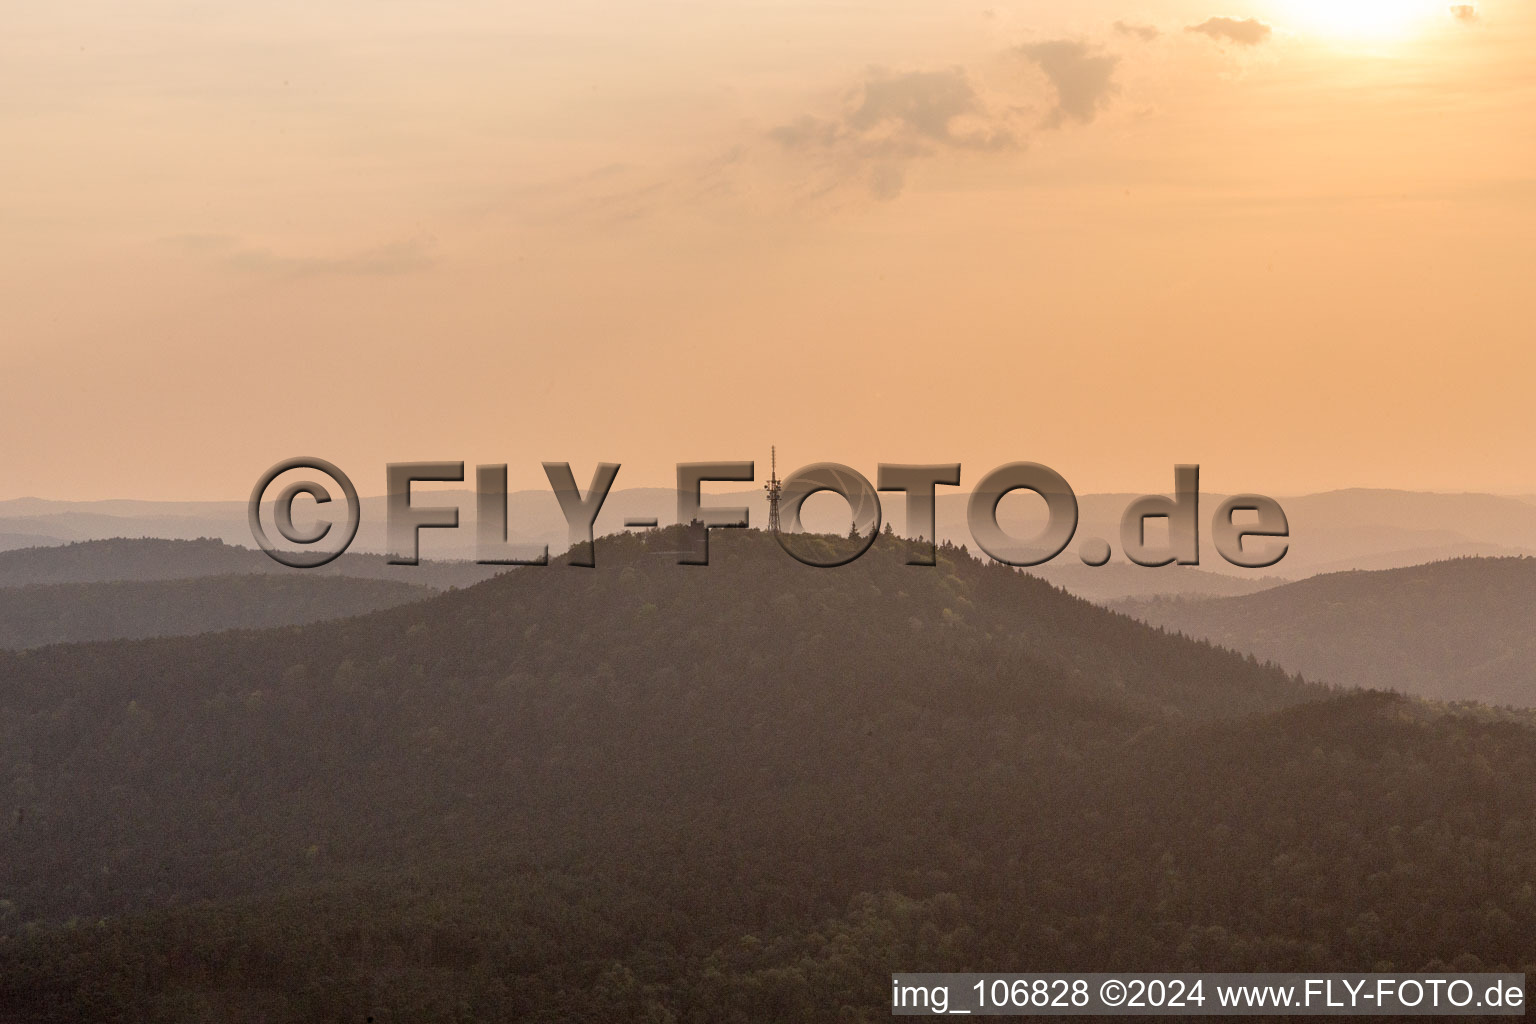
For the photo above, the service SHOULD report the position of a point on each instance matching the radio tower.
(773, 489)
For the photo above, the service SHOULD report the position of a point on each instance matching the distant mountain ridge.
(149, 558)
(1335, 530)
(12, 541)
(1460, 629)
(127, 588)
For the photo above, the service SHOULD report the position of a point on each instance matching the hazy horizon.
(726, 489)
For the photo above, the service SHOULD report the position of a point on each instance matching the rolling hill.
(39, 614)
(141, 559)
(1453, 630)
(12, 541)
(1358, 528)
(1119, 581)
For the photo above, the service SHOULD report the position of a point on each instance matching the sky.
(1290, 240)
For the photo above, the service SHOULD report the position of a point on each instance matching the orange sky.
(1293, 244)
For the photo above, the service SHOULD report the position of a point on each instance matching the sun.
(1363, 20)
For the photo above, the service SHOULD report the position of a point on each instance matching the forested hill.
(1460, 629)
(629, 685)
(1117, 581)
(35, 615)
(151, 558)
(747, 791)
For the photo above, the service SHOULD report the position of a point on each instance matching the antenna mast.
(773, 489)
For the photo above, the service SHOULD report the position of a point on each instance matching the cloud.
(893, 119)
(926, 103)
(1146, 33)
(1464, 13)
(897, 117)
(1083, 79)
(1244, 31)
(808, 133)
